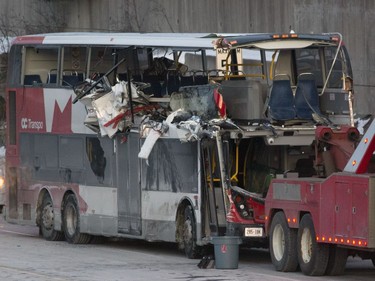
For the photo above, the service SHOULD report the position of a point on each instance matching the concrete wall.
(353, 18)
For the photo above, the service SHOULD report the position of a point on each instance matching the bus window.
(308, 61)
(73, 67)
(14, 66)
(38, 63)
(335, 80)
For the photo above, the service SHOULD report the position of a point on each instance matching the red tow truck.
(316, 222)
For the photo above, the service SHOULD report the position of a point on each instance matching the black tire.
(47, 221)
(312, 256)
(191, 249)
(283, 244)
(71, 222)
(337, 260)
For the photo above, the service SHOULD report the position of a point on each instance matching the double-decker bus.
(140, 135)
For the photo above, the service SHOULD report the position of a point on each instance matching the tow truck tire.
(71, 222)
(312, 256)
(337, 260)
(283, 244)
(47, 218)
(191, 249)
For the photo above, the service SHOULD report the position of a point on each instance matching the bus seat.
(51, 78)
(200, 79)
(306, 99)
(281, 101)
(187, 81)
(71, 80)
(32, 79)
(173, 83)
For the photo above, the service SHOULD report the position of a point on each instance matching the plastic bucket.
(226, 251)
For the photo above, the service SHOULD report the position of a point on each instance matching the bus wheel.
(312, 256)
(189, 234)
(71, 222)
(47, 218)
(337, 260)
(283, 244)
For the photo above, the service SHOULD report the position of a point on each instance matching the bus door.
(129, 190)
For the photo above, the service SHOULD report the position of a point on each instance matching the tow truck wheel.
(47, 218)
(337, 260)
(283, 244)
(190, 246)
(312, 256)
(71, 222)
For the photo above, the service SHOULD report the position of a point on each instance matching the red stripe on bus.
(29, 40)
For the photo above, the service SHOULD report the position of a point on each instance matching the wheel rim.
(71, 220)
(278, 242)
(306, 245)
(48, 217)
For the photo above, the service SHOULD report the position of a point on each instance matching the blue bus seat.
(32, 79)
(281, 101)
(307, 98)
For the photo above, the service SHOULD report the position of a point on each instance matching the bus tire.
(71, 222)
(337, 260)
(191, 249)
(312, 256)
(283, 244)
(47, 219)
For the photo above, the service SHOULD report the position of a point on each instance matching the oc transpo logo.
(27, 123)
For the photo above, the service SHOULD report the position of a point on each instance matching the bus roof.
(180, 40)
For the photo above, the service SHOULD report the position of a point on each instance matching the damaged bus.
(165, 137)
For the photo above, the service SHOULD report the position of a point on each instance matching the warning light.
(294, 220)
(323, 238)
(330, 239)
(317, 238)
(354, 162)
(276, 36)
(288, 219)
(359, 243)
(365, 140)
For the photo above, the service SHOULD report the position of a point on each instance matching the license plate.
(253, 232)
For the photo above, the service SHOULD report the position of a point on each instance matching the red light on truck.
(360, 243)
(294, 220)
(354, 242)
(354, 162)
(288, 219)
(317, 238)
(348, 241)
(342, 240)
(365, 140)
(323, 238)
(330, 239)
(336, 240)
